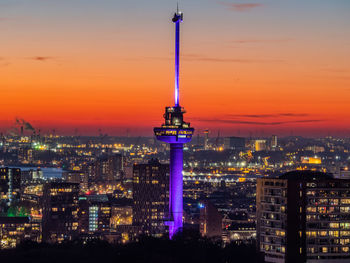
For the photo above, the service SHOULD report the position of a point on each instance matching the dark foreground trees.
(180, 250)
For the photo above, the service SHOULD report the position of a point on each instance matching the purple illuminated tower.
(176, 132)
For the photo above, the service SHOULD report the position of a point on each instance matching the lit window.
(345, 249)
(334, 225)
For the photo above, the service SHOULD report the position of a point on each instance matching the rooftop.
(306, 175)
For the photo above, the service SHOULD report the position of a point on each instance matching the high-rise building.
(94, 216)
(274, 142)
(176, 132)
(10, 184)
(150, 194)
(60, 211)
(206, 139)
(210, 220)
(106, 168)
(303, 216)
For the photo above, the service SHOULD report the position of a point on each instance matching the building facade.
(107, 168)
(94, 216)
(150, 194)
(210, 220)
(303, 216)
(60, 211)
(234, 143)
(10, 186)
(14, 230)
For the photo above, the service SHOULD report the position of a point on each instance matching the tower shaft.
(176, 187)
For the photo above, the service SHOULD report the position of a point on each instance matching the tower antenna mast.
(177, 19)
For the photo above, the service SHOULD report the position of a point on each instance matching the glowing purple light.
(177, 59)
(176, 137)
(176, 185)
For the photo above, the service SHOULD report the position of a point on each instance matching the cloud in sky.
(41, 58)
(269, 115)
(272, 123)
(3, 62)
(262, 119)
(240, 7)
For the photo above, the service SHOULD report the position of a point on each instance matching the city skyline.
(264, 84)
(80, 67)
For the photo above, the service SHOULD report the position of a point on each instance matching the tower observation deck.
(176, 132)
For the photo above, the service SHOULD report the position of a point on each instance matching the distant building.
(260, 145)
(106, 168)
(206, 139)
(60, 211)
(14, 230)
(234, 143)
(121, 220)
(37, 174)
(311, 160)
(303, 216)
(128, 172)
(25, 155)
(10, 184)
(150, 194)
(274, 142)
(243, 232)
(210, 220)
(121, 215)
(315, 148)
(32, 175)
(343, 172)
(78, 177)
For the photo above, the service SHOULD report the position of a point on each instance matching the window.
(334, 233)
(344, 209)
(333, 201)
(334, 225)
(311, 233)
(322, 233)
(345, 201)
(344, 233)
(322, 209)
(311, 209)
(344, 225)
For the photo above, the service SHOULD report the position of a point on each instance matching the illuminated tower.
(176, 132)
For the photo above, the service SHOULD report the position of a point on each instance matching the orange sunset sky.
(259, 68)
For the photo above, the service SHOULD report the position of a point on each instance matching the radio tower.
(176, 132)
